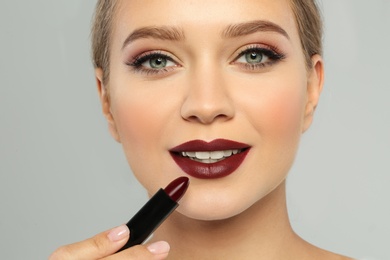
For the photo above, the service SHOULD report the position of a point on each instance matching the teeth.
(210, 157)
(202, 155)
(227, 153)
(216, 155)
(191, 154)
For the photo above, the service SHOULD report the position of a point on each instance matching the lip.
(214, 170)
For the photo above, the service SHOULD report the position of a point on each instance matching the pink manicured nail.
(159, 248)
(118, 233)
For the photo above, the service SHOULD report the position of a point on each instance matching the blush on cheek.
(284, 113)
(287, 112)
(135, 124)
(137, 127)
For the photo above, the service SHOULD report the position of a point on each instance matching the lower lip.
(215, 170)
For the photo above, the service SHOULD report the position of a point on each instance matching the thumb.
(96, 247)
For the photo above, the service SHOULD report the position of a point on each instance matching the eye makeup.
(257, 56)
(251, 57)
(152, 62)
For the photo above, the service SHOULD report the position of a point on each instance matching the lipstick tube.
(155, 211)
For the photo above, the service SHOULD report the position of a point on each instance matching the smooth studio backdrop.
(63, 179)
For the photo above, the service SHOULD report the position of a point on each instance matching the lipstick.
(155, 211)
(230, 156)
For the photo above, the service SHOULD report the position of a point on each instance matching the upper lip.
(215, 145)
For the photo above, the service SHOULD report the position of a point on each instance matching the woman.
(239, 81)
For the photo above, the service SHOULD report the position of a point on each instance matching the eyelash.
(137, 63)
(271, 53)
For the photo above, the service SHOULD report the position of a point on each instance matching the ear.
(314, 87)
(105, 102)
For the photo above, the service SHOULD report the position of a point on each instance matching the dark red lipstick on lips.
(229, 156)
(155, 211)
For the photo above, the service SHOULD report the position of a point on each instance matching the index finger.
(96, 247)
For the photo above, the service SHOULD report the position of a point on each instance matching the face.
(212, 77)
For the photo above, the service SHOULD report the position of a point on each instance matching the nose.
(207, 98)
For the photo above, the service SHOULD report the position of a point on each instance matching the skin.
(266, 108)
(207, 92)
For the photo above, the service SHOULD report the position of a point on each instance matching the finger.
(99, 246)
(159, 249)
(156, 251)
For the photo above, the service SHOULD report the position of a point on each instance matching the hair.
(310, 27)
(306, 12)
(102, 25)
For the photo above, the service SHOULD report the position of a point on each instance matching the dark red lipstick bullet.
(155, 211)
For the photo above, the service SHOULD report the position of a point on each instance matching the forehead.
(196, 16)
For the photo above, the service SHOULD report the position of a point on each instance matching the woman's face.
(211, 71)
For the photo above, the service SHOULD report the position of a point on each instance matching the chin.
(211, 208)
(208, 214)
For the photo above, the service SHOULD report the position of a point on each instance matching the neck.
(257, 233)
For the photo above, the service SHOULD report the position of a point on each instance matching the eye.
(157, 62)
(258, 57)
(253, 57)
(152, 62)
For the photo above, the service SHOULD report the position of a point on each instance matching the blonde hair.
(310, 27)
(306, 12)
(102, 24)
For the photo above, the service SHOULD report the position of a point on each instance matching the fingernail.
(159, 248)
(118, 233)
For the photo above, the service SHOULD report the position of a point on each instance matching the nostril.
(207, 114)
(207, 119)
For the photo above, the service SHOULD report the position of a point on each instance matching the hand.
(106, 244)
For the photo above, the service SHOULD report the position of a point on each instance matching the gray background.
(62, 177)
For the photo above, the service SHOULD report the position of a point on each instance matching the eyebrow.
(177, 34)
(162, 33)
(241, 29)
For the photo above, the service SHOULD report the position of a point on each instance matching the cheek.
(140, 109)
(277, 110)
(133, 121)
(284, 112)
(274, 111)
(141, 117)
